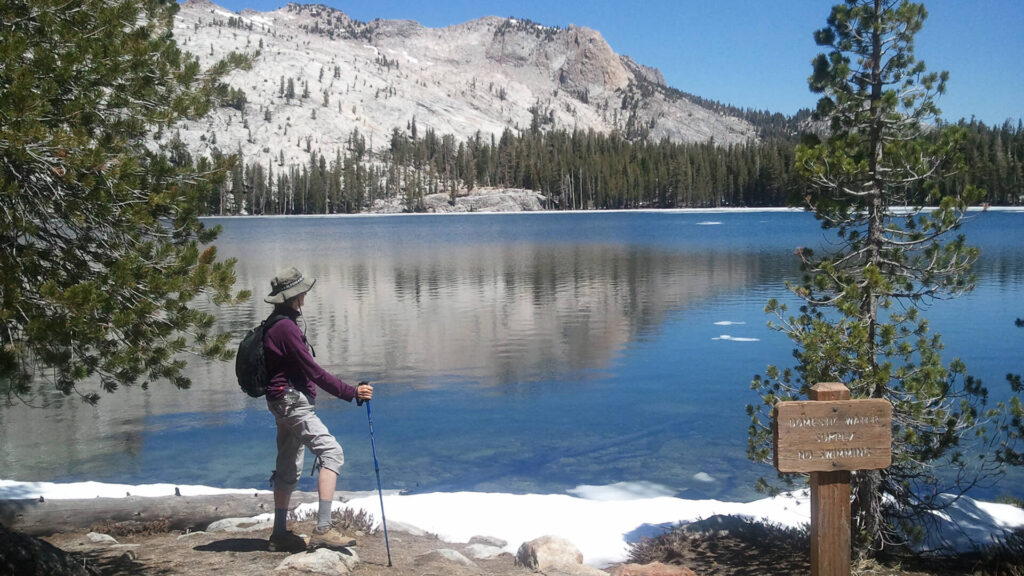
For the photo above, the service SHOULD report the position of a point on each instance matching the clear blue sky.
(753, 53)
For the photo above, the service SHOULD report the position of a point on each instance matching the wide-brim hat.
(288, 283)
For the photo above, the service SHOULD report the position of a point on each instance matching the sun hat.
(288, 283)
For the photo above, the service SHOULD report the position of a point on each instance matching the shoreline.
(600, 520)
(525, 212)
(972, 210)
(491, 201)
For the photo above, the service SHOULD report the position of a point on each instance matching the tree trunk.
(867, 496)
(867, 512)
(181, 512)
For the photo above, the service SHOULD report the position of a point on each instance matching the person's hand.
(364, 392)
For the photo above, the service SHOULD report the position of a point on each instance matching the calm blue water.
(513, 353)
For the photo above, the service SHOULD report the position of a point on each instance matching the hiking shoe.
(286, 542)
(330, 537)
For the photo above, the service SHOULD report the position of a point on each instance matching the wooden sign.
(828, 436)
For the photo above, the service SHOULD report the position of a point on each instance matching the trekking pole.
(376, 468)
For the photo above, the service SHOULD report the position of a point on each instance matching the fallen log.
(43, 518)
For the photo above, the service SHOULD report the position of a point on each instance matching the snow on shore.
(13, 490)
(386, 209)
(599, 520)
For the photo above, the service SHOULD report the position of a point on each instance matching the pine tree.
(100, 243)
(861, 323)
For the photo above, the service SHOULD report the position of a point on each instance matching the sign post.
(830, 436)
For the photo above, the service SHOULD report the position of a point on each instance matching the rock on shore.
(477, 200)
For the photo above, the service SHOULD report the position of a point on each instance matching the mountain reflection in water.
(504, 348)
(498, 315)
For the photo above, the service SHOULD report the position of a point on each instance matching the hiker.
(291, 396)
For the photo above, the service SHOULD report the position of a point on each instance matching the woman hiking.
(291, 397)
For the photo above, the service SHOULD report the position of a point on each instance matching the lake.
(521, 353)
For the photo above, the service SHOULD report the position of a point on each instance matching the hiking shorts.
(298, 427)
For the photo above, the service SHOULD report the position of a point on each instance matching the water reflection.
(494, 315)
(447, 310)
(413, 310)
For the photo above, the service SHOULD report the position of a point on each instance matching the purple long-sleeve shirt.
(291, 365)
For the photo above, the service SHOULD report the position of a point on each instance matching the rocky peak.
(321, 77)
(652, 75)
(198, 4)
(591, 64)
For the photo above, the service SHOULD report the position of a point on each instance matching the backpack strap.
(270, 321)
(274, 318)
(265, 327)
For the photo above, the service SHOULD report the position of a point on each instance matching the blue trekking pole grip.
(380, 493)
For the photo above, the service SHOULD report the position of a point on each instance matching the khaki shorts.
(299, 427)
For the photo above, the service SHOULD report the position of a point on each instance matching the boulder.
(652, 569)
(547, 551)
(238, 525)
(97, 538)
(447, 562)
(483, 551)
(488, 541)
(320, 561)
(554, 555)
(396, 526)
(443, 556)
(487, 200)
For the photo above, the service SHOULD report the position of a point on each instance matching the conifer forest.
(575, 170)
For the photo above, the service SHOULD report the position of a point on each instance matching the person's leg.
(326, 483)
(319, 440)
(325, 488)
(282, 498)
(303, 424)
(290, 452)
